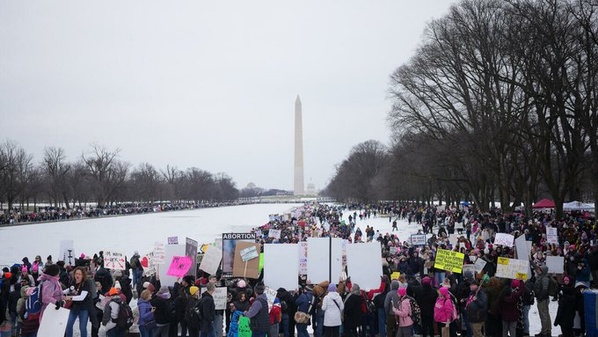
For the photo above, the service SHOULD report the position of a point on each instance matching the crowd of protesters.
(422, 301)
(46, 213)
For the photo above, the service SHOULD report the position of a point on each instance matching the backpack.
(193, 313)
(33, 303)
(134, 262)
(124, 320)
(369, 307)
(416, 312)
(553, 287)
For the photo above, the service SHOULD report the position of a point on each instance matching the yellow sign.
(503, 261)
(395, 275)
(449, 260)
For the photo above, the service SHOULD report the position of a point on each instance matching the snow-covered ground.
(139, 232)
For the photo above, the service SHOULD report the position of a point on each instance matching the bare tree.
(56, 170)
(107, 173)
(16, 166)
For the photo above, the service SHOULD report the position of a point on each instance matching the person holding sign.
(445, 312)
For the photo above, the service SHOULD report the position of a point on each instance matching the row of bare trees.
(499, 103)
(99, 176)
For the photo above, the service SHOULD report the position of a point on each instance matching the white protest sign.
(219, 295)
(211, 260)
(274, 233)
(281, 265)
(159, 253)
(418, 239)
(504, 239)
(523, 252)
(248, 253)
(555, 264)
(66, 252)
(302, 246)
(511, 268)
(469, 267)
(114, 260)
(458, 225)
(364, 264)
(479, 265)
(552, 236)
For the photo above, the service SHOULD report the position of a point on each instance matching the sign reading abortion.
(449, 260)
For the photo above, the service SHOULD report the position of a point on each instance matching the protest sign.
(555, 264)
(302, 246)
(248, 253)
(114, 260)
(521, 246)
(179, 266)
(504, 239)
(479, 265)
(219, 295)
(281, 265)
(469, 267)
(211, 260)
(173, 240)
(512, 268)
(418, 239)
(250, 266)
(552, 236)
(66, 252)
(159, 253)
(229, 243)
(274, 233)
(191, 251)
(449, 260)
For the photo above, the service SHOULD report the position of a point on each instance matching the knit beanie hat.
(402, 291)
(331, 287)
(193, 290)
(443, 291)
(426, 281)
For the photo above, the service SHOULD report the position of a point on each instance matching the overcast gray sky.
(207, 84)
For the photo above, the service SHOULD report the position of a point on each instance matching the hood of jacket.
(394, 285)
(543, 270)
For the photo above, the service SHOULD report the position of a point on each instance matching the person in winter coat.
(493, 288)
(566, 312)
(476, 307)
(191, 304)
(161, 309)
(403, 311)
(51, 289)
(541, 290)
(333, 306)
(111, 314)
(391, 297)
(258, 313)
(208, 311)
(443, 310)
(305, 303)
(288, 307)
(426, 297)
(275, 316)
(352, 311)
(510, 312)
(146, 315)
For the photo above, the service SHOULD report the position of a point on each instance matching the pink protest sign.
(179, 266)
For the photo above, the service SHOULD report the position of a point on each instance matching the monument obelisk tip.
(298, 183)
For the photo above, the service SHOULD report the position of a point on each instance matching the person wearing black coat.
(566, 313)
(352, 312)
(161, 304)
(208, 310)
(426, 299)
(288, 307)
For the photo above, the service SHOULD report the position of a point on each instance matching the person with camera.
(304, 307)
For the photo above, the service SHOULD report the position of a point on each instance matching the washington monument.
(299, 186)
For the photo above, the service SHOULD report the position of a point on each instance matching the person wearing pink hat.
(445, 311)
(26, 276)
(403, 311)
